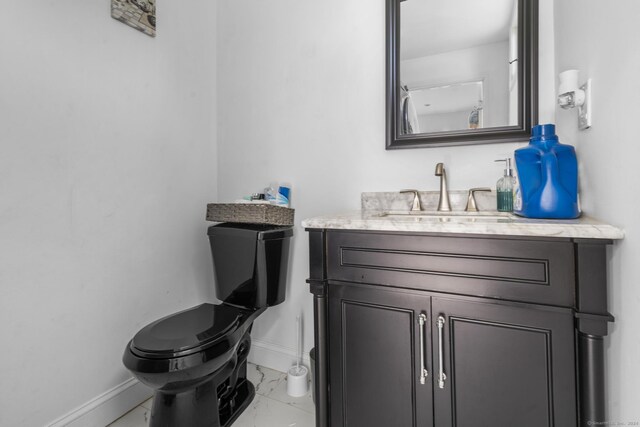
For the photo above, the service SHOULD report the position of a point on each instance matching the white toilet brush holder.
(298, 375)
(297, 381)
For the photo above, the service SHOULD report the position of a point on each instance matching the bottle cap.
(543, 132)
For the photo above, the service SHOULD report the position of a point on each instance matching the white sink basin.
(449, 216)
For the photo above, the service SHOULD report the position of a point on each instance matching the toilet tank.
(250, 263)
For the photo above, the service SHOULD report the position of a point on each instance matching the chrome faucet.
(443, 203)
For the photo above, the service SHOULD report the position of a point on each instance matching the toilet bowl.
(196, 360)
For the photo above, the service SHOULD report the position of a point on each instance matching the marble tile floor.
(272, 406)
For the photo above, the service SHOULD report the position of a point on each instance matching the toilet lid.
(186, 330)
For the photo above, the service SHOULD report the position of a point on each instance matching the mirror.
(460, 72)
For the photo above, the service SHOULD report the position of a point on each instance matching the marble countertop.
(487, 223)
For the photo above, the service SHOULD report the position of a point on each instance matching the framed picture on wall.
(139, 14)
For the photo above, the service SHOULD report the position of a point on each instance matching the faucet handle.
(471, 201)
(416, 207)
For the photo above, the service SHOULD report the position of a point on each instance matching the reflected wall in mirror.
(460, 71)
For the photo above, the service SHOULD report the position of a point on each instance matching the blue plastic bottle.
(548, 177)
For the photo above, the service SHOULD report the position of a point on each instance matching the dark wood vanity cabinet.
(432, 330)
(374, 345)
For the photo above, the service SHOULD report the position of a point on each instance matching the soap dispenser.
(505, 187)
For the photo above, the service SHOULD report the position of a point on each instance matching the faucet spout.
(443, 203)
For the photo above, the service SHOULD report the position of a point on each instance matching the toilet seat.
(186, 332)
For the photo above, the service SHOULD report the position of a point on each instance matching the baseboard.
(107, 407)
(114, 403)
(274, 356)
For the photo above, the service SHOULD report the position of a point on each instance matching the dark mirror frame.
(527, 88)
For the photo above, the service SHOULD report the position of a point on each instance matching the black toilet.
(196, 360)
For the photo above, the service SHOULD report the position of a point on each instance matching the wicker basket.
(252, 213)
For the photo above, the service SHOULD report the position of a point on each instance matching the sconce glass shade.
(568, 81)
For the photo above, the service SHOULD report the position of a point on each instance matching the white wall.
(107, 161)
(109, 156)
(598, 38)
(301, 99)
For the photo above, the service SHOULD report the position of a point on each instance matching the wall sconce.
(571, 95)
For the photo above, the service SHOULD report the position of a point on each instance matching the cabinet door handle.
(441, 375)
(422, 320)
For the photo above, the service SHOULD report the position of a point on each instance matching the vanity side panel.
(591, 288)
(592, 326)
(317, 251)
(319, 288)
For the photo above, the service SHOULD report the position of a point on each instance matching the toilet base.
(215, 402)
(199, 407)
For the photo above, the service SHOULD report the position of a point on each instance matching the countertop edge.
(582, 228)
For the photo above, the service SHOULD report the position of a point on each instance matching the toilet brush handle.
(299, 349)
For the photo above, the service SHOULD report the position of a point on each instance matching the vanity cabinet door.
(375, 358)
(504, 365)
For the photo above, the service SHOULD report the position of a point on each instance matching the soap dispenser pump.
(505, 187)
